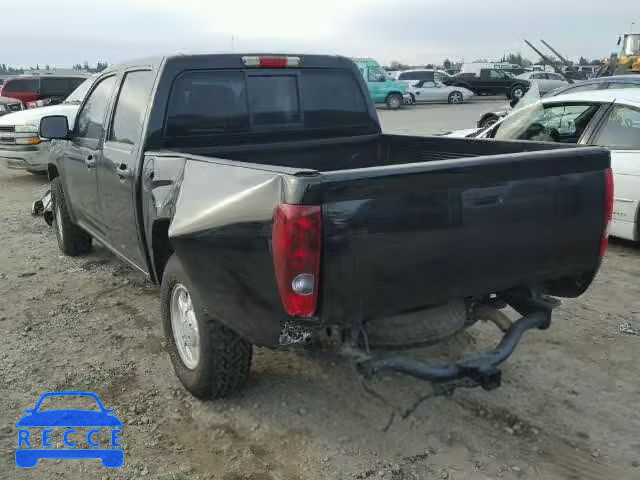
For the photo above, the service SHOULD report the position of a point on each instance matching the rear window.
(206, 103)
(21, 85)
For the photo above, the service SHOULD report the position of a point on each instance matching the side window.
(90, 122)
(374, 74)
(485, 73)
(554, 76)
(496, 75)
(622, 128)
(131, 107)
(553, 123)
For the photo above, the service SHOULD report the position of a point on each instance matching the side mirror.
(54, 127)
(382, 78)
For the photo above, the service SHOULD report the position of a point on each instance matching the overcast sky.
(64, 32)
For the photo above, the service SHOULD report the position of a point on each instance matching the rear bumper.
(33, 158)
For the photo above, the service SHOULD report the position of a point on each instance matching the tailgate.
(400, 238)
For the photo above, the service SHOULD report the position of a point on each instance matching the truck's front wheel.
(210, 360)
(72, 240)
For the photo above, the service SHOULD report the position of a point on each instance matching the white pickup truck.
(20, 144)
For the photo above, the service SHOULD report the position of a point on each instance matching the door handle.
(123, 171)
(89, 161)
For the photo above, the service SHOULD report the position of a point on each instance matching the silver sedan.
(423, 91)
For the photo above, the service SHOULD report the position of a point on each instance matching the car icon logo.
(77, 428)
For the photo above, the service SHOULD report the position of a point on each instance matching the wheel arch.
(52, 171)
(161, 247)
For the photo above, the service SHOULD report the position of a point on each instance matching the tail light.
(297, 241)
(271, 62)
(608, 210)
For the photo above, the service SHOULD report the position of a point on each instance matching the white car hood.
(34, 115)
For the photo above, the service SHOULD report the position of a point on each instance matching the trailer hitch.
(480, 370)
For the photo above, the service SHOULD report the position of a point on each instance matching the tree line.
(83, 67)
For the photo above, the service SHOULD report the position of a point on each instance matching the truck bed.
(407, 222)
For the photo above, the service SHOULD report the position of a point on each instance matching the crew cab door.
(621, 134)
(118, 165)
(82, 154)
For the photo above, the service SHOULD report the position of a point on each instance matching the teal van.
(381, 87)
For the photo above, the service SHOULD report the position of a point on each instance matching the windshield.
(79, 93)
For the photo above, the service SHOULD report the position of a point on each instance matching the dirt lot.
(568, 408)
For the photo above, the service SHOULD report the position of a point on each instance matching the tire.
(413, 99)
(421, 328)
(487, 122)
(394, 101)
(37, 172)
(72, 240)
(517, 91)
(455, 97)
(223, 357)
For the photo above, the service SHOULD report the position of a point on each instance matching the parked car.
(261, 193)
(490, 81)
(428, 75)
(20, 145)
(423, 91)
(545, 81)
(619, 81)
(382, 87)
(608, 118)
(9, 105)
(39, 91)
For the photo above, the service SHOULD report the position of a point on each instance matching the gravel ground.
(568, 407)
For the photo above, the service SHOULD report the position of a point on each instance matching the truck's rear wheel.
(72, 240)
(210, 360)
(394, 101)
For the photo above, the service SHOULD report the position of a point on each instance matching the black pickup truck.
(490, 81)
(261, 194)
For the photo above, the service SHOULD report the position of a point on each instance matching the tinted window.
(131, 107)
(331, 98)
(91, 118)
(622, 128)
(205, 103)
(554, 76)
(59, 87)
(221, 102)
(54, 86)
(538, 76)
(21, 85)
(274, 99)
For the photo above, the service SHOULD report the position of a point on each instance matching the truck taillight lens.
(297, 242)
(608, 210)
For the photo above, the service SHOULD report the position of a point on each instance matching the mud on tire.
(224, 357)
(72, 240)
